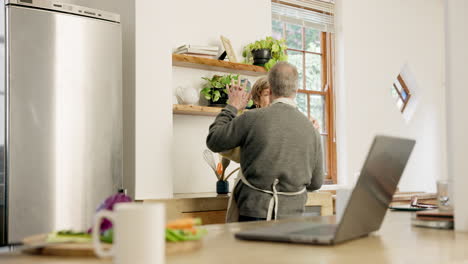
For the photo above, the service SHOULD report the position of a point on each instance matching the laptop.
(366, 206)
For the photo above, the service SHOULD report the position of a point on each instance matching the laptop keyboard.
(317, 231)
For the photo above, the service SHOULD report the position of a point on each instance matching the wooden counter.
(396, 242)
(211, 207)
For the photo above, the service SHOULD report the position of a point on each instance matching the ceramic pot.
(188, 95)
(222, 101)
(261, 56)
(222, 187)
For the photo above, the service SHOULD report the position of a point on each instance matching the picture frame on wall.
(229, 50)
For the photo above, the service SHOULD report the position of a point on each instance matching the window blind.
(308, 13)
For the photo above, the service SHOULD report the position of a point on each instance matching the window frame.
(327, 91)
(400, 96)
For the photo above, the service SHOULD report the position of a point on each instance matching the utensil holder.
(222, 187)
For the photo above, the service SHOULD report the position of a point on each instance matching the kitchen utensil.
(225, 162)
(208, 156)
(414, 203)
(230, 174)
(139, 233)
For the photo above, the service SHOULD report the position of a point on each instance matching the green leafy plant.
(276, 46)
(215, 87)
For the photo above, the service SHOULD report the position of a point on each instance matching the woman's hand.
(238, 97)
(316, 123)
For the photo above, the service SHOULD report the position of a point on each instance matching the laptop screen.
(375, 187)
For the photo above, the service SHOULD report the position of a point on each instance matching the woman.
(260, 93)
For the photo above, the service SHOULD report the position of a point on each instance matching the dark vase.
(222, 187)
(261, 56)
(222, 101)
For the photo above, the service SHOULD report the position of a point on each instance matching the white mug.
(139, 233)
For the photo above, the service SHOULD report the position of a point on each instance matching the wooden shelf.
(195, 110)
(181, 60)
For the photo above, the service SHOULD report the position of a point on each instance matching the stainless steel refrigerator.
(60, 115)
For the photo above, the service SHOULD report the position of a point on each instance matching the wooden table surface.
(396, 242)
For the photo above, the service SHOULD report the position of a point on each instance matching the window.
(401, 93)
(310, 50)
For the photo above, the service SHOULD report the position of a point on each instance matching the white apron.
(232, 214)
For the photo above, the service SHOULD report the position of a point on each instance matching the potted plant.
(215, 89)
(266, 52)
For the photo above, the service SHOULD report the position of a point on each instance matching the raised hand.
(238, 96)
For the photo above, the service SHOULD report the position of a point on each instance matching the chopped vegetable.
(176, 231)
(186, 223)
(77, 237)
(184, 230)
(178, 235)
(68, 236)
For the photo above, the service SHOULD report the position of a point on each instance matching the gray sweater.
(277, 142)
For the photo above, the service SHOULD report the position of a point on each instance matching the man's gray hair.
(283, 79)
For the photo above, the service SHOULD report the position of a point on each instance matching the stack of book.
(434, 219)
(210, 52)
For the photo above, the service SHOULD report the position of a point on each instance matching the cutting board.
(86, 249)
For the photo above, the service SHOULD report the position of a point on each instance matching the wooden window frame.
(406, 89)
(327, 91)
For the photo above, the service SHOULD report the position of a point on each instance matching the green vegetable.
(107, 236)
(77, 237)
(172, 235)
(69, 236)
(178, 235)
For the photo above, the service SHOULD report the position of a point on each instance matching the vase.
(188, 95)
(222, 187)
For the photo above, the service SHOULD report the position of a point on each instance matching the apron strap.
(273, 205)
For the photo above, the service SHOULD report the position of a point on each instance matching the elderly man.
(281, 153)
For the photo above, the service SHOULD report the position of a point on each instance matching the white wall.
(202, 22)
(146, 86)
(153, 111)
(375, 39)
(457, 107)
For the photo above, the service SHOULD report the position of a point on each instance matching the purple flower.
(108, 204)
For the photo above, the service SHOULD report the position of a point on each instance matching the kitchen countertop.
(396, 242)
(200, 195)
(205, 202)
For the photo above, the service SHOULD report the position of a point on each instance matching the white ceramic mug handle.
(97, 231)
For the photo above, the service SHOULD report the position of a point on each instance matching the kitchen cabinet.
(211, 207)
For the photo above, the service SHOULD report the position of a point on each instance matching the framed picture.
(229, 50)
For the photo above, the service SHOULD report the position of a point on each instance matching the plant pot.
(222, 187)
(261, 56)
(222, 101)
